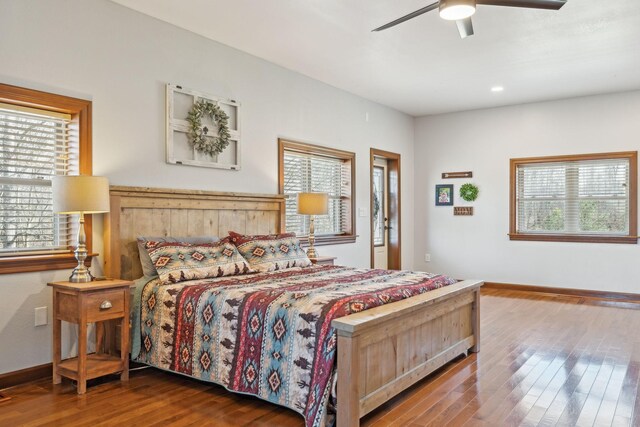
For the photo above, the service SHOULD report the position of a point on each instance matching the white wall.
(121, 60)
(483, 141)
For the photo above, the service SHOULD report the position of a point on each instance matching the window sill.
(631, 240)
(29, 263)
(329, 240)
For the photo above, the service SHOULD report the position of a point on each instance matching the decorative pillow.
(178, 262)
(271, 252)
(147, 265)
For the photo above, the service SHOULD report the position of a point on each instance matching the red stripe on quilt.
(186, 307)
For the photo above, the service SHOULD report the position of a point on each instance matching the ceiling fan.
(462, 10)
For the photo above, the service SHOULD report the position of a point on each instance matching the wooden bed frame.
(381, 351)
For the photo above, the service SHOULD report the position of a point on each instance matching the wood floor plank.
(546, 361)
(627, 398)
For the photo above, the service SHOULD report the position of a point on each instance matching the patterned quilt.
(266, 334)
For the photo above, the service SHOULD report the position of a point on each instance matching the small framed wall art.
(463, 210)
(446, 175)
(444, 195)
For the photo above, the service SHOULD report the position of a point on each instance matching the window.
(35, 145)
(583, 198)
(310, 168)
(41, 135)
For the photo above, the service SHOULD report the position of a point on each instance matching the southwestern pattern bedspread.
(266, 334)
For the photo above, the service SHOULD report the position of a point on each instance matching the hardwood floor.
(546, 360)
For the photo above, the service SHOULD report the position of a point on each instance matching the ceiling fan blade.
(531, 4)
(407, 17)
(465, 27)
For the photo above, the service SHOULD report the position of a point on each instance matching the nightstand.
(323, 260)
(83, 303)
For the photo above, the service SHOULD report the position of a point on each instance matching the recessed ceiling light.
(497, 89)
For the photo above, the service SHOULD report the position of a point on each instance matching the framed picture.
(179, 102)
(444, 195)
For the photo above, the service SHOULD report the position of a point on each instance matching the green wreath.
(469, 192)
(199, 135)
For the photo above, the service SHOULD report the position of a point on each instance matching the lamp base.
(81, 275)
(312, 253)
(311, 250)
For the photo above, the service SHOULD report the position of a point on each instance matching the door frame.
(394, 254)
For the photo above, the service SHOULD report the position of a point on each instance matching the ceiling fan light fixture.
(453, 10)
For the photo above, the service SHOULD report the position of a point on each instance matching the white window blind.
(304, 172)
(584, 197)
(34, 146)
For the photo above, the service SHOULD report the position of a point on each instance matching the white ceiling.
(422, 66)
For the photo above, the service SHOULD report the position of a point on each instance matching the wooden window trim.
(631, 238)
(80, 111)
(303, 147)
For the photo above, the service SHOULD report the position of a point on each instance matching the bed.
(379, 351)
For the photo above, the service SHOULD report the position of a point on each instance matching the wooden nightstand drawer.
(104, 305)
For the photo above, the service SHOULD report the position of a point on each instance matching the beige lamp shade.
(313, 203)
(80, 194)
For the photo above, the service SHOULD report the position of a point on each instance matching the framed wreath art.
(202, 130)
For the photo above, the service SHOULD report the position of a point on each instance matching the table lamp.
(80, 194)
(312, 204)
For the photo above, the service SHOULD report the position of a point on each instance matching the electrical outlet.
(362, 212)
(427, 257)
(41, 316)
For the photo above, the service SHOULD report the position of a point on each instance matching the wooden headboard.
(142, 211)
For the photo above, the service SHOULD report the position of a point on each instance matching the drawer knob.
(106, 305)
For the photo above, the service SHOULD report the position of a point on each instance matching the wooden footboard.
(383, 351)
